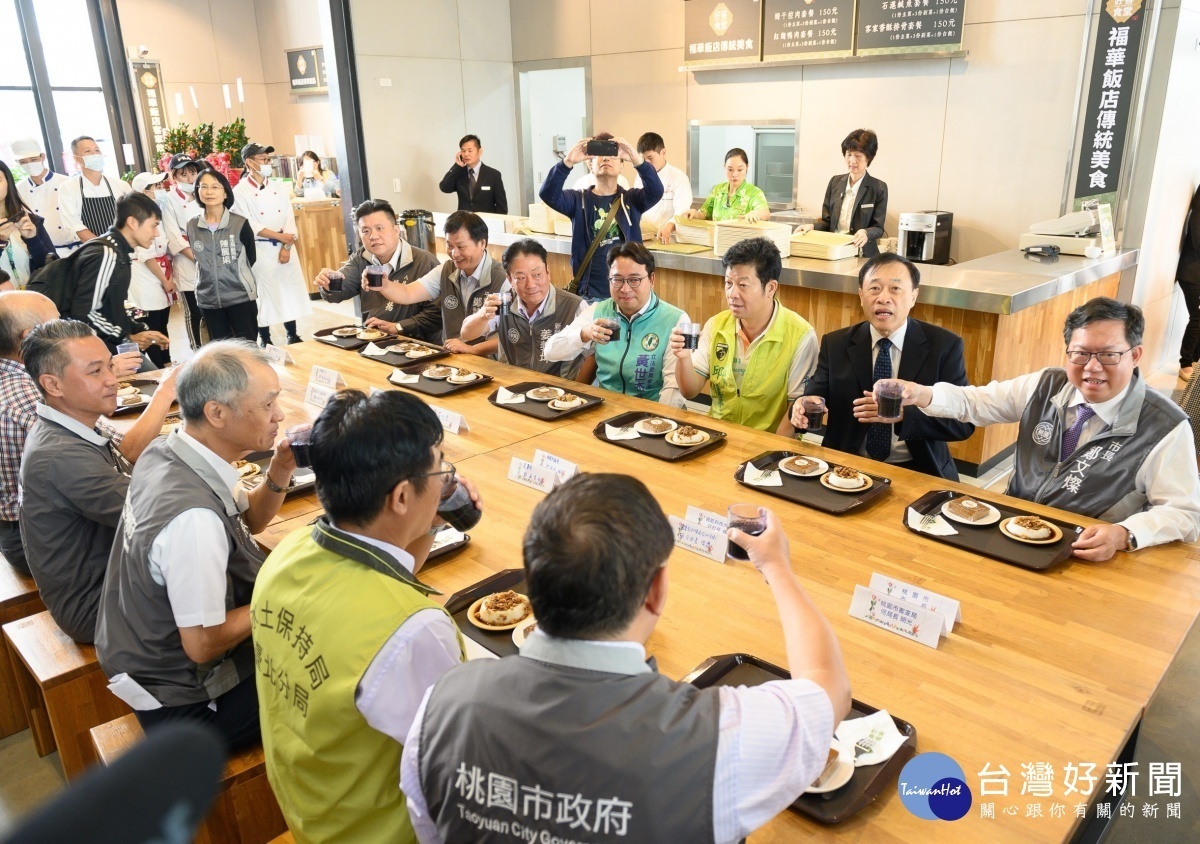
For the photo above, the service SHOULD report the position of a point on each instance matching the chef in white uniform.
(87, 203)
(39, 190)
(179, 206)
(282, 295)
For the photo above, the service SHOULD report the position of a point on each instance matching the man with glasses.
(337, 698)
(629, 333)
(1093, 439)
(537, 311)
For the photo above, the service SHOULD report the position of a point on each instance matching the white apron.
(282, 295)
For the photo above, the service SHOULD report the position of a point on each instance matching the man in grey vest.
(382, 246)
(538, 312)
(75, 469)
(460, 285)
(587, 742)
(173, 634)
(1094, 439)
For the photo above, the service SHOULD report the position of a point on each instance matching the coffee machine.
(925, 236)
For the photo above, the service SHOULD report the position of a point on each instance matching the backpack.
(58, 281)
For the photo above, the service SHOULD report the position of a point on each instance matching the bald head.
(20, 311)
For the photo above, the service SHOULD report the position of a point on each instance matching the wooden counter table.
(1052, 667)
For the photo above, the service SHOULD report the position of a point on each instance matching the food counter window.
(770, 144)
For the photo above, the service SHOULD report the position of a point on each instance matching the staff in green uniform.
(735, 198)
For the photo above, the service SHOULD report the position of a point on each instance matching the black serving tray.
(447, 549)
(542, 409)
(864, 786)
(657, 446)
(989, 540)
(399, 358)
(435, 386)
(499, 642)
(350, 344)
(810, 491)
(147, 387)
(263, 459)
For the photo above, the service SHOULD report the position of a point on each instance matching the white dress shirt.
(1167, 477)
(899, 452)
(772, 743)
(676, 198)
(567, 344)
(803, 364)
(432, 280)
(70, 200)
(846, 213)
(43, 199)
(494, 323)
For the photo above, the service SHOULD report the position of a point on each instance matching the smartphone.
(608, 149)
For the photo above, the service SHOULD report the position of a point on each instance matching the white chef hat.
(144, 180)
(26, 148)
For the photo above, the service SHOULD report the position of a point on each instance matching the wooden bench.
(245, 810)
(18, 599)
(62, 689)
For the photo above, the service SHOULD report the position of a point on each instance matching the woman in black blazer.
(869, 195)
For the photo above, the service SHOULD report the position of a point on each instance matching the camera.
(607, 149)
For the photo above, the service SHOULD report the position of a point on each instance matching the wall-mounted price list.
(807, 29)
(909, 26)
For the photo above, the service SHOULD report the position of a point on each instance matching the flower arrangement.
(231, 138)
(221, 148)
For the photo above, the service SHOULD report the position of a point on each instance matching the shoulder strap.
(573, 287)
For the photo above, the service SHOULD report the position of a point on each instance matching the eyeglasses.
(447, 471)
(1081, 358)
(634, 281)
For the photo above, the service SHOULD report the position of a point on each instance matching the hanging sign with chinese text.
(807, 29)
(722, 31)
(147, 80)
(909, 26)
(1110, 93)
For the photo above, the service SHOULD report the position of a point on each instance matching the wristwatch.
(274, 487)
(1131, 540)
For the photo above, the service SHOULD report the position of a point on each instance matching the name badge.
(948, 608)
(279, 355)
(327, 377)
(899, 617)
(706, 518)
(485, 187)
(535, 477)
(451, 421)
(563, 470)
(316, 395)
(867, 205)
(704, 540)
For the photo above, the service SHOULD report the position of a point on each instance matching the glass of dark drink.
(335, 281)
(748, 518)
(889, 394)
(374, 277)
(457, 508)
(505, 301)
(612, 325)
(814, 411)
(298, 437)
(691, 335)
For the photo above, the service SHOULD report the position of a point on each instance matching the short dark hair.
(474, 138)
(762, 253)
(138, 206)
(216, 174)
(193, 166)
(75, 143)
(362, 446)
(740, 153)
(635, 252)
(603, 136)
(43, 349)
(524, 246)
(312, 156)
(588, 567)
(374, 206)
(885, 258)
(1103, 308)
(470, 221)
(650, 141)
(862, 140)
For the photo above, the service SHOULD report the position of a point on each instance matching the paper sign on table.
(948, 608)
(524, 472)
(614, 433)
(279, 355)
(704, 540)
(706, 518)
(451, 421)
(327, 377)
(317, 395)
(563, 469)
(504, 396)
(900, 617)
(757, 477)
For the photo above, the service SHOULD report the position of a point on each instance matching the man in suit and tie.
(480, 188)
(856, 203)
(888, 344)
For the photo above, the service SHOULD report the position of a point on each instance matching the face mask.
(160, 195)
(187, 189)
(264, 171)
(35, 168)
(308, 168)
(94, 162)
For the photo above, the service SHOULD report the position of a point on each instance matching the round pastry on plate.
(1030, 529)
(968, 511)
(565, 402)
(348, 331)
(521, 632)
(685, 436)
(463, 376)
(247, 469)
(416, 350)
(803, 467)
(500, 610)
(132, 399)
(439, 373)
(127, 390)
(845, 479)
(371, 334)
(545, 393)
(654, 426)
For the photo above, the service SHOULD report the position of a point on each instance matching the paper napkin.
(374, 351)
(874, 738)
(614, 433)
(504, 396)
(932, 525)
(756, 477)
(399, 377)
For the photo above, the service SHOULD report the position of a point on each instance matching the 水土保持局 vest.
(524, 344)
(634, 364)
(1099, 479)
(762, 398)
(334, 775)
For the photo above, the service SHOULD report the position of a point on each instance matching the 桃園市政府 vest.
(524, 344)
(456, 307)
(634, 364)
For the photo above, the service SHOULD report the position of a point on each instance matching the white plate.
(123, 401)
(840, 776)
(822, 468)
(672, 438)
(993, 515)
(464, 379)
(641, 427)
(557, 393)
(556, 404)
(419, 353)
(349, 331)
(520, 633)
(450, 370)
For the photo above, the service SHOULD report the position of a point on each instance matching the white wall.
(288, 25)
(558, 107)
(450, 69)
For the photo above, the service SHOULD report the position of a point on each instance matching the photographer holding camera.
(603, 215)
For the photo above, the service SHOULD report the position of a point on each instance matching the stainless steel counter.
(1003, 283)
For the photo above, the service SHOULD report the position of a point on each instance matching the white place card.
(563, 469)
(373, 391)
(330, 378)
(280, 355)
(317, 395)
(900, 617)
(706, 518)
(704, 540)
(453, 422)
(948, 608)
(524, 472)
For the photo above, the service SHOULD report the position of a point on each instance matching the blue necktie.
(879, 435)
(1070, 437)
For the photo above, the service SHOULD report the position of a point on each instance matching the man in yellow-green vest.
(756, 356)
(346, 638)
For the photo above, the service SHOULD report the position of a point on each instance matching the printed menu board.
(908, 26)
(807, 29)
(722, 31)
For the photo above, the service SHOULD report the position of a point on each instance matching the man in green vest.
(346, 638)
(756, 356)
(628, 333)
